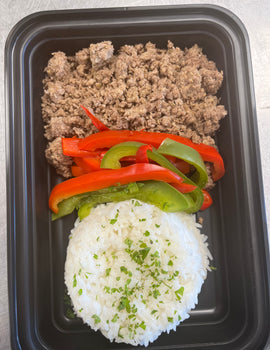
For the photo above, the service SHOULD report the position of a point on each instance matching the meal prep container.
(233, 310)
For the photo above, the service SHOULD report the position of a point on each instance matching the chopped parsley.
(113, 221)
(170, 319)
(128, 242)
(115, 318)
(80, 292)
(124, 269)
(108, 271)
(147, 233)
(96, 318)
(179, 293)
(74, 280)
(170, 263)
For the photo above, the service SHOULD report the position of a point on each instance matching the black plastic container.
(233, 310)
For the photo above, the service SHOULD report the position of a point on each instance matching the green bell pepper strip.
(158, 193)
(176, 149)
(111, 160)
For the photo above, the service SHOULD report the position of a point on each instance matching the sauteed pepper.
(157, 193)
(109, 138)
(108, 177)
(112, 158)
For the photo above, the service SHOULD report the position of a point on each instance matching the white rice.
(153, 262)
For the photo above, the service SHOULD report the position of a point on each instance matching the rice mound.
(133, 271)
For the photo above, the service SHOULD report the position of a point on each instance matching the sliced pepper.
(109, 138)
(88, 164)
(77, 171)
(111, 160)
(207, 200)
(70, 147)
(158, 193)
(98, 124)
(141, 154)
(105, 178)
(172, 148)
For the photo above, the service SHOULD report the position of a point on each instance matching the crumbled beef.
(56, 158)
(100, 53)
(141, 86)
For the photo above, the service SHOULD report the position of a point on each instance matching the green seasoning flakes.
(74, 280)
(95, 256)
(179, 293)
(147, 233)
(170, 319)
(124, 269)
(115, 318)
(170, 263)
(124, 304)
(113, 221)
(120, 335)
(108, 271)
(128, 242)
(96, 318)
(153, 312)
(80, 292)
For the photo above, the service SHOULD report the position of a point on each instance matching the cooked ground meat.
(141, 86)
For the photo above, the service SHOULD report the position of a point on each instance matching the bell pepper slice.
(141, 154)
(98, 124)
(88, 164)
(109, 138)
(179, 164)
(111, 177)
(172, 148)
(207, 200)
(70, 147)
(111, 160)
(158, 193)
(77, 171)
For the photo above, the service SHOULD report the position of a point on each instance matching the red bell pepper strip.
(70, 147)
(207, 200)
(98, 124)
(77, 171)
(109, 138)
(180, 164)
(141, 155)
(88, 164)
(111, 177)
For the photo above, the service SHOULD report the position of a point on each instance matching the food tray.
(233, 310)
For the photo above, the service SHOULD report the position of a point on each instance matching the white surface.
(255, 16)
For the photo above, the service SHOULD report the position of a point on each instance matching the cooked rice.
(133, 271)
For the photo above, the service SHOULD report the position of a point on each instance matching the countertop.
(255, 16)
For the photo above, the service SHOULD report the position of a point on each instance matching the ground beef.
(141, 86)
